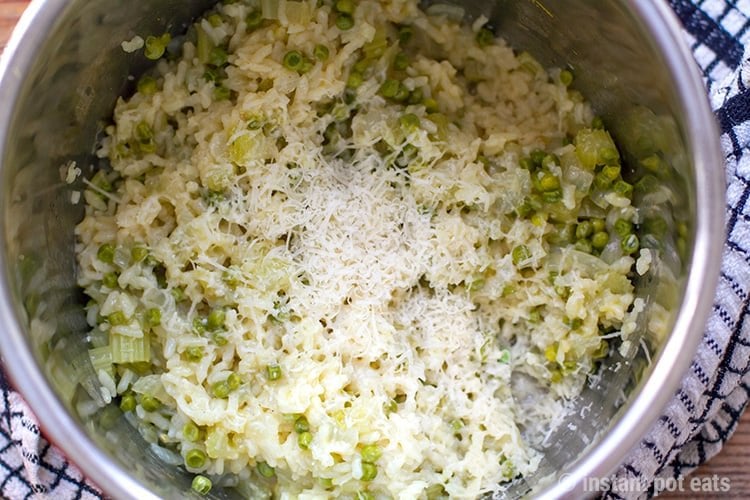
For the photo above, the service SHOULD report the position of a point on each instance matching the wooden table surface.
(732, 463)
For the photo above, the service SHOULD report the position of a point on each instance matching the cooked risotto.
(352, 250)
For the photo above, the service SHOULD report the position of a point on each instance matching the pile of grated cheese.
(370, 277)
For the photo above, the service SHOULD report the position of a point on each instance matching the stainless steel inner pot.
(63, 70)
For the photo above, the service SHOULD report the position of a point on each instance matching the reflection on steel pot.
(64, 69)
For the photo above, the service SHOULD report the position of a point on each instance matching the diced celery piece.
(298, 13)
(217, 442)
(590, 143)
(243, 148)
(204, 46)
(130, 349)
(376, 47)
(270, 9)
(101, 358)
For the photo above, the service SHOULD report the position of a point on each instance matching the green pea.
(215, 20)
(301, 425)
(369, 471)
(273, 372)
(106, 253)
(609, 156)
(265, 470)
(194, 353)
(355, 80)
(304, 439)
(623, 189)
(548, 182)
(575, 323)
(153, 316)
(416, 96)
(344, 22)
(150, 403)
(254, 19)
(195, 458)
(402, 93)
(630, 244)
(599, 240)
(155, 47)
(389, 88)
(401, 61)
(409, 121)
(584, 229)
(201, 485)
(109, 280)
(218, 57)
(220, 389)
(485, 37)
(178, 293)
(598, 224)
(128, 402)
(234, 381)
(611, 172)
(147, 85)
(537, 157)
(344, 6)
(566, 77)
(293, 60)
(321, 52)
(138, 254)
(216, 319)
(623, 228)
(190, 431)
(584, 246)
(370, 453)
(117, 318)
